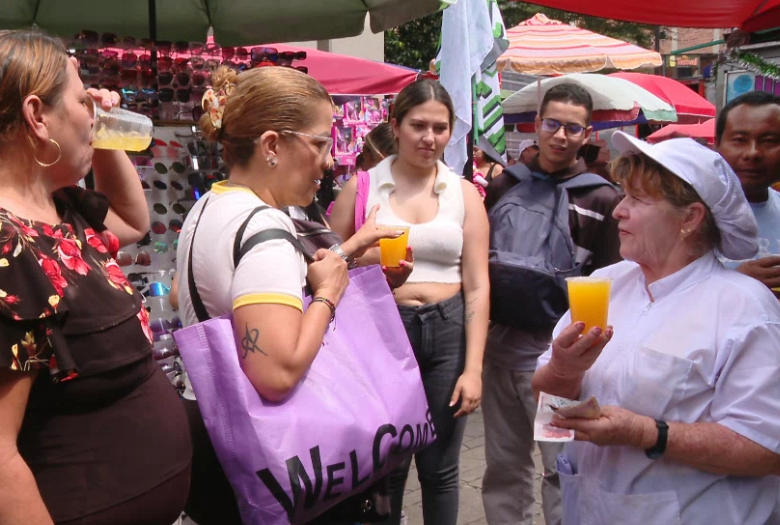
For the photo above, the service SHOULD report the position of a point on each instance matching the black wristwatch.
(660, 446)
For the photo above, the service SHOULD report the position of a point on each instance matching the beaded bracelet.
(327, 302)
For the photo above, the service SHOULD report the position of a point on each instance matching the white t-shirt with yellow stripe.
(271, 273)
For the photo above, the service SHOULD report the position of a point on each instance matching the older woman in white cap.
(689, 380)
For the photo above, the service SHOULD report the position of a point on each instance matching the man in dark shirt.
(509, 405)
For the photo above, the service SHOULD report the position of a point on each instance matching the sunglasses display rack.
(175, 172)
(169, 89)
(354, 118)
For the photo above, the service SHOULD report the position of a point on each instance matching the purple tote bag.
(359, 411)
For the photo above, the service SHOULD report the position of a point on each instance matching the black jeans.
(438, 337)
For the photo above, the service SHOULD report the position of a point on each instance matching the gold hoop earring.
(59, 155)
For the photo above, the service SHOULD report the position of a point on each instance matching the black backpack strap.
(240, 234)
(242, 248)
(584, 180)
(197, 302)
(274, 234)
(519, 171)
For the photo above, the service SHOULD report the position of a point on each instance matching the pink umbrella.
(691, 107)
(704, 130)
(346, 75)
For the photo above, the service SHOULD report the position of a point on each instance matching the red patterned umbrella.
(541, 46)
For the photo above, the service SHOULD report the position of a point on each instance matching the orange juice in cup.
(393, 251)
(589, 301)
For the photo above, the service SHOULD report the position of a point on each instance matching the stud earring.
(271, 161)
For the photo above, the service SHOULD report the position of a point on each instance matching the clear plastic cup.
(589, 301)
(393, 251)
(120, 129)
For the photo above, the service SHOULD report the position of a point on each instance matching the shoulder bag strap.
(240, 234)
(361, 198)
(197, 302)
(273, 234)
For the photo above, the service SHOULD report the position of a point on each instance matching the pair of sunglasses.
(138, 280)
(159, 228)
(168, 95)
(285, 58)
(125, 259)
(160, 185)
(203, 148)
(157, 289)
(204, 180)
(258, 54)
(160, 168)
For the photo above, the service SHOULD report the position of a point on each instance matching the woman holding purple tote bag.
(304, 404)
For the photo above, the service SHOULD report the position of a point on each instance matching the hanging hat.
(715, 182)
(524, 145)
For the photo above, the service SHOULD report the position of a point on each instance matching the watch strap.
(338, 251)
(660, 445)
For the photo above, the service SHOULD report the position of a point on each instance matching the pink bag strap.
(361, 198)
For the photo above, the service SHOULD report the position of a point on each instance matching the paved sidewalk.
(472, 467)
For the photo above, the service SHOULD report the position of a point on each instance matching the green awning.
(235, 22)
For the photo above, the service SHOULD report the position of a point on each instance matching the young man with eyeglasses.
(508, 404)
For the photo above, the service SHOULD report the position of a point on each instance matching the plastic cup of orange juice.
(589, 301)
(120, 129)
(393, 251)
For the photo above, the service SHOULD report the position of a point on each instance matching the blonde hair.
(263, 99)
(31, 63)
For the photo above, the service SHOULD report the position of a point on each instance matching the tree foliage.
(414, 44)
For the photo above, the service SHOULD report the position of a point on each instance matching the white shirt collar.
(384, 175)
(694, 273)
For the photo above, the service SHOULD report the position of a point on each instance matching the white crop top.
(437, 245)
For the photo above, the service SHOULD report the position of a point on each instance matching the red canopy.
(690, 106)
(750, 15)
(705, 130)
(346, 75)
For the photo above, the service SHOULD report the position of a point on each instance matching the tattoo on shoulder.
(249, 342)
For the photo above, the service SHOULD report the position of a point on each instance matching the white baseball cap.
(715, 182)
(524, 145)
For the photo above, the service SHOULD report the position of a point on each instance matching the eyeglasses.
(326, 143)
(551, 126)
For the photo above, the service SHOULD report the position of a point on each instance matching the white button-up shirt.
(704, 348)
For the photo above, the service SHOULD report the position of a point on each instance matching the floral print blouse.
(65, 304)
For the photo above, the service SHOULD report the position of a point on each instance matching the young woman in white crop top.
(444, 303)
